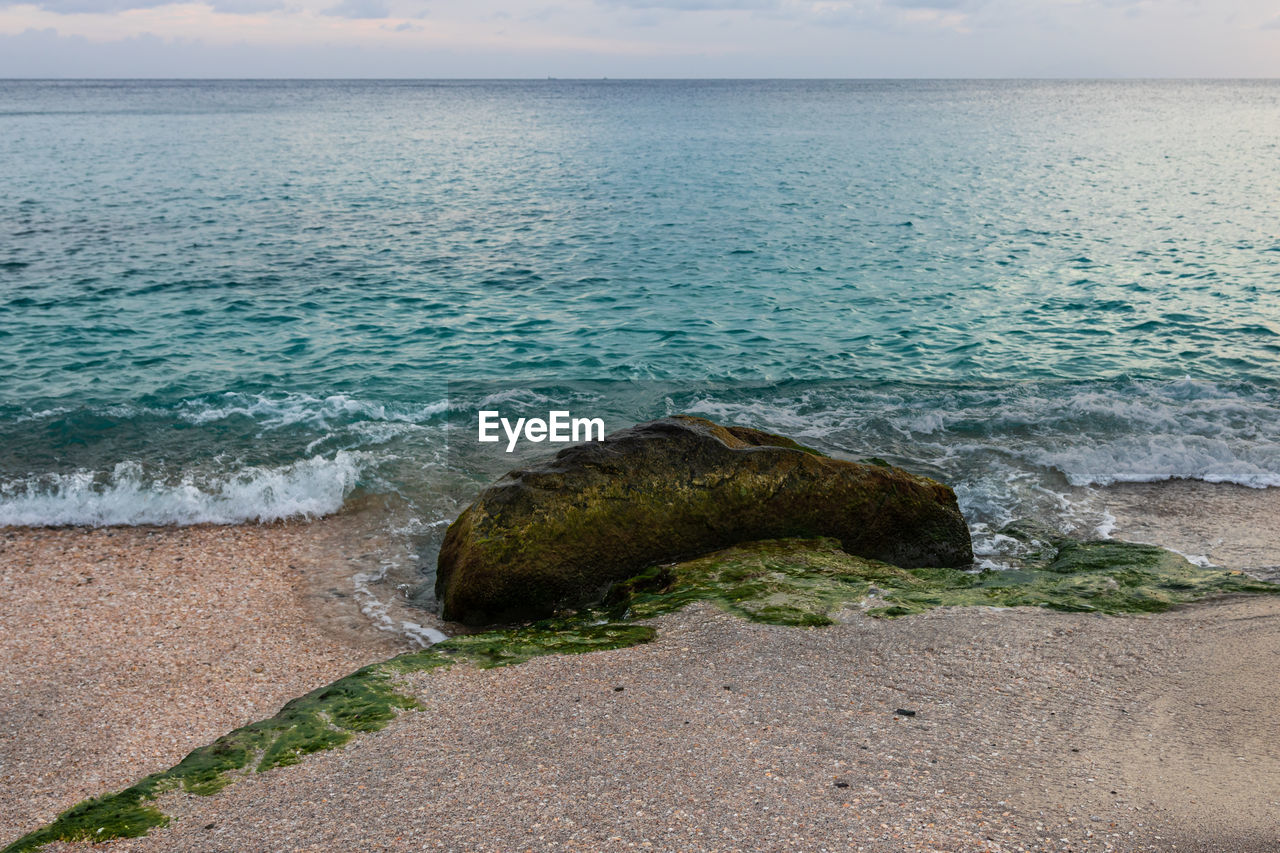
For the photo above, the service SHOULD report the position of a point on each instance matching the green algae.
(517, 645)
(796, 582)
(803, 582)
(1059, 573)
(121, 815)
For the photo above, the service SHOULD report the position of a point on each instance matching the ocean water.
(245, 301)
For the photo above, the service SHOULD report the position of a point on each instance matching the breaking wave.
(128, 494)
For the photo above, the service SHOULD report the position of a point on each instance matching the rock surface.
(559, 533)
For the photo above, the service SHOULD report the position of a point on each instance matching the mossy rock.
(556, 535)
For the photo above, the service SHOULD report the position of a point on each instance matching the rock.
(558, 534)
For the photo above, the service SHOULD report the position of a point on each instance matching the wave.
(1091, 434)
(128, 495)
(1020, 449)
(1151, 459)
(275, 412)
(266, 412)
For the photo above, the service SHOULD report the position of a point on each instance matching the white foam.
(1148, 459)
(422, 634)
(378, 610)
(1037, 450)
(1092, 435)
(783, 415)
(1106, 526)
(42, 414)
(282, 411)
(1200, 560)
(309, 488)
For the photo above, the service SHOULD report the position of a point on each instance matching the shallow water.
(228, 301)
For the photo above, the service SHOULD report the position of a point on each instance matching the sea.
(245, 301)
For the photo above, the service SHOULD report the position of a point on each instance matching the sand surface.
(1232, 526)
(1034, 730)
(123, 649)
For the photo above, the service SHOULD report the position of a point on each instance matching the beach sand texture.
(1033, 730)
(125, 648)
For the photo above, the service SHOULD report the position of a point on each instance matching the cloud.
(640, 38)
(244, 7)
(941, 5)
(107, 7)
(696, 5)
(361, 9)
(45, 53)
(75, 7)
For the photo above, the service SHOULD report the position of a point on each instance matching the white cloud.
(72, 7)
(245, 7)
(100, 7)
(640, 38)
(696, 5)
(359, 9)
(935, 4)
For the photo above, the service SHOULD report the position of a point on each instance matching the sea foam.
(308, 488)
(1091, 434)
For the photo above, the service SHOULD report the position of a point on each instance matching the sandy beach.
(125, 648)
(1231, 526)
(1032, 730)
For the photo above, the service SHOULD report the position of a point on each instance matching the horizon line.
(623, 79)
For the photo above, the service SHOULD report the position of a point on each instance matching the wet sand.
(1034, 730)
(1233, 526)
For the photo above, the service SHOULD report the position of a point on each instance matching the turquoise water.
(226, 301)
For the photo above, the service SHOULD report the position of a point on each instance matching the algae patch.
(517, 645)
(802, 582)
(782, 582)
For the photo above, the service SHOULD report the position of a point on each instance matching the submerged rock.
(558, 534)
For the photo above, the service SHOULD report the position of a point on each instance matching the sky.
(640, 38)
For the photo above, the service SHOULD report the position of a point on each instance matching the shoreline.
(1233, 526)
(151, 670)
